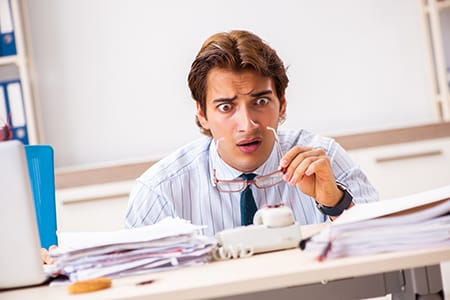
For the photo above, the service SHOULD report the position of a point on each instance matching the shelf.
(437, 63)
(15, 71)
(6, 60)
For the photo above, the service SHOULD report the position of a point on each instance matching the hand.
(310, 169)
(46, 260)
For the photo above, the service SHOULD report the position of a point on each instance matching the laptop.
(20, 258)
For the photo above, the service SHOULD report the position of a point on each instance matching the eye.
(224, 107)
(262, 101)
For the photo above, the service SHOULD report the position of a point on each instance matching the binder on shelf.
(12, 112)
(7, 36)
(5, 132)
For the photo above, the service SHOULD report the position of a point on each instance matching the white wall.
(112, 73)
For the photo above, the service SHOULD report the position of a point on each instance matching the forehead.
(227, 83)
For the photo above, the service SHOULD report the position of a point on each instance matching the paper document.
(373, 210)
(415, 222)
(170, 243)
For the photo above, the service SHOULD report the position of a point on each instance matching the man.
(245, 162)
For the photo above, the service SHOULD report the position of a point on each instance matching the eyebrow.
(224, 99)
(255, 95)
(262, 93)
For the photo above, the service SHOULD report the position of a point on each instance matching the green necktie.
(248, 204)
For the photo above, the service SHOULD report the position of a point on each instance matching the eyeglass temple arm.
(280, 150)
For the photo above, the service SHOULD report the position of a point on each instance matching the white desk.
(277, 274)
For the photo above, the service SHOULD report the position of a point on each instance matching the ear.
(201, 116)
(283, 107)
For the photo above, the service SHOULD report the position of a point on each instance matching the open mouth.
(249, 146)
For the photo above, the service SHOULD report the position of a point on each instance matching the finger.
(321, 167)
(49, 261)
(301, 169)
(297, 156)
(44, 255)
(291, 154)
(298, 159)
(46, 259)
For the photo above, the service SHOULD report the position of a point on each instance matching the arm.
(315, 172)
(310, 169)
(146, 206)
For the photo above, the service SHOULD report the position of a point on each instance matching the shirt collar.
(225, 171)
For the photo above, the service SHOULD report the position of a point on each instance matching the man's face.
(239, 107)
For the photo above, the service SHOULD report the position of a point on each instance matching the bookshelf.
(435, 17)
(18, 106)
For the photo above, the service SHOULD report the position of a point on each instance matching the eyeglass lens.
(231, 186)
(269, 180)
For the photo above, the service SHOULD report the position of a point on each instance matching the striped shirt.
(181, 185)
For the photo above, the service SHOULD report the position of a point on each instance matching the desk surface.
(258, 273)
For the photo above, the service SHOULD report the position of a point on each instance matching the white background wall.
(112, 73)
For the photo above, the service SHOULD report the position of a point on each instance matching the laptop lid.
(20, 261)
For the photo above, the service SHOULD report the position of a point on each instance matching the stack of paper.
(168, 244)
(414, 222)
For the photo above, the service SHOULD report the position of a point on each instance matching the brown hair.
(236, 50)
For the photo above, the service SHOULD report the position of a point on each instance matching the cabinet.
(436, 24)
(17, 104)
(403, 161)
(95, 198)
(406, 168)
(99, 207)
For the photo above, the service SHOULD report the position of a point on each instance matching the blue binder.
(7, 36)
(8, 44)
(42, 177)
(15, 110)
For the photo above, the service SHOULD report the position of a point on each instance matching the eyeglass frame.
(255, 180)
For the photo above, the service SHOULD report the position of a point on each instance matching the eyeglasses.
(261, 182)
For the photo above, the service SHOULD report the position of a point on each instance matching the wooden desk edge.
(262, 272)
(258, 280)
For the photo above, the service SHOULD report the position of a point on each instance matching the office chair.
(42, 177)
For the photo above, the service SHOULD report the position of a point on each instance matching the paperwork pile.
(168, 244)
(414, 222)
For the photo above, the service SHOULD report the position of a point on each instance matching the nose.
(246, 120)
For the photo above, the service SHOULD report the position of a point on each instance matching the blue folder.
(19, 131)
(42, 175)
(7, 44)
(7, 36)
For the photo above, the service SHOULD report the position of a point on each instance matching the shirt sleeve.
(146, 206)
(351, 175)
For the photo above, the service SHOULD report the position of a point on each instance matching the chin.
(249, 162)
(249, 165)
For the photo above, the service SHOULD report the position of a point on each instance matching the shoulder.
(183, 160)
(305, 138)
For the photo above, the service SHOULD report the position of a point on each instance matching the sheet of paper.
(165, 228)
(171, 243)
(418, 221)
(373, 210)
